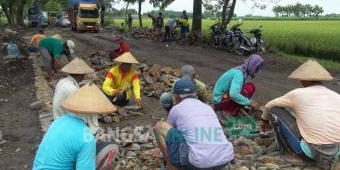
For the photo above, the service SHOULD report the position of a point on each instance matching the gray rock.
(243, 168)
(131, 154)
(37, 105)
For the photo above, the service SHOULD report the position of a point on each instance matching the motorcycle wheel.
(261, 49)
(237, 48)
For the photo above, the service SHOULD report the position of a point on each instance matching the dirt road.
(19, 125)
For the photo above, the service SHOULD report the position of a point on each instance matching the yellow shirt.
(116, 81)
(36, 38)
(317, 112)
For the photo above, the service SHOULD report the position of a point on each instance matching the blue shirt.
(67, 145)
(230, 82)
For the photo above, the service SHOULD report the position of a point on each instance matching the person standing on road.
(121, 80)
(159, 25)
(181, 138)
(167, 99)
(69, 142)
(231, 92)
(169, 29)
(51, 50)
(311, 127)
(123, 47)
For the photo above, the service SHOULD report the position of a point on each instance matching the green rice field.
(319, 39)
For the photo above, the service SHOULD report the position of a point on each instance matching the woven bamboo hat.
(77, 66)
(126, 57)
(57, 36)
(311, 70)
(88, 100)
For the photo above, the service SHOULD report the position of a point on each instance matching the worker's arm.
(235, 90)
(285, 101)
(33, 40)
(136, 86)
(108, 84)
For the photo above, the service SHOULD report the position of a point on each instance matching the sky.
(244, 8)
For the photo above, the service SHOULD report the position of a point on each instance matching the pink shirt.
(317, 111)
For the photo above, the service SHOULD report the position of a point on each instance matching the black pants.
(168, 34)
(287, 133)
(119, 101)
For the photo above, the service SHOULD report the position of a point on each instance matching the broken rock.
(37, 105)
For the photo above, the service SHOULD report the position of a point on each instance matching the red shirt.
(123, 47)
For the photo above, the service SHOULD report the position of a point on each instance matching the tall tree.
(140, 13)
(197, 17)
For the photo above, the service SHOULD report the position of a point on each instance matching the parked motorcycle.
(216, 35)
(249, 44)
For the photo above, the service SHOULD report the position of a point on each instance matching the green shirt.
(53, 45)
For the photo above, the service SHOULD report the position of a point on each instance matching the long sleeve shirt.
(116, 81)
(230, 82)
(64, 88)
(317, 113)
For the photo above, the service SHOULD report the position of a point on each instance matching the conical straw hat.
(77, 66)
(311, 71)
(88, 100)
(126, 57)
(57, 36)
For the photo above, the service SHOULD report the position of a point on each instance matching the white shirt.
(64, 88)
(317, 111)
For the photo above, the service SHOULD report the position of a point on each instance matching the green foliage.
(53, 6)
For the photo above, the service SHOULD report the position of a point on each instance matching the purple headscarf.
(251, 65)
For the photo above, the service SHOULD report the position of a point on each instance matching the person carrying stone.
(51, 50)
(167, 99)
(122, 80)
(181, 138)
(306, 120)
(69, 142)
(231, 91)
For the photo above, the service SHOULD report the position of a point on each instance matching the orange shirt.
(36, 38)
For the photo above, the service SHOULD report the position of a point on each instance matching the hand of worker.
(117, 94)
(264, 125)
(57, 64)
(255, 105)
(138, 102)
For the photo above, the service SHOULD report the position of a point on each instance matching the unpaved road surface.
(20, 126)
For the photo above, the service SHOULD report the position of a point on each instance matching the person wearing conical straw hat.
(122, 80)
(69, 142)
(76, 70)
(312, 131)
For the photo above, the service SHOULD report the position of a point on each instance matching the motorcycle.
(244, 43)
(215, 35)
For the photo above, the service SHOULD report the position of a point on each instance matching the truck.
(34, 14)
(84, 15)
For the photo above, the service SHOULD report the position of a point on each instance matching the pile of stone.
(144, 33)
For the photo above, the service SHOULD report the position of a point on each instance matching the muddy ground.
(20, 127)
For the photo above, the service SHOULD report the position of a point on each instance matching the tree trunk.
(102, 14)
(224, 10)
(11, 15)
(197, 17)
(140, 13)
(20, 13)
(231, 11)
(126, 12)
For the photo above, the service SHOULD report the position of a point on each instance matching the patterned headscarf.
(251, 65)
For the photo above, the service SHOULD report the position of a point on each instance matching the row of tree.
(14, 9)
(298, 10)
